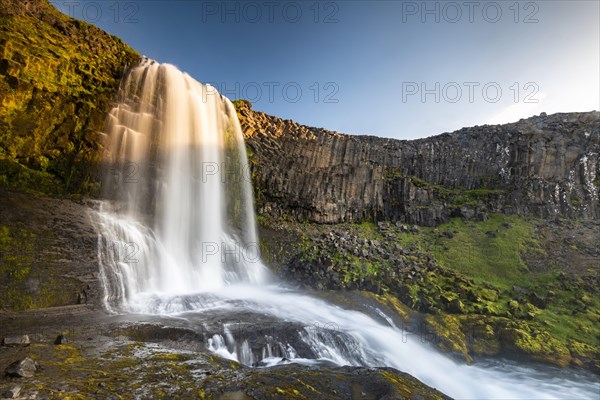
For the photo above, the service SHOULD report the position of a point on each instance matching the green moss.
(420, 183)
(473, 197)
(409, 388)
(56, 89)
(447, 330)
(392, 173)
(494, 260)
(17, 253)
(540, 344)
(242, 103)
(470, 282)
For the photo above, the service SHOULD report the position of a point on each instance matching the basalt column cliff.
(545, 166)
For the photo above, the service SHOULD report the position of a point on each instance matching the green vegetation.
(486, 251)
(57, 81)
(471, 279)
(239, 103)
(453, 197)
(23, 263)
(17, 255)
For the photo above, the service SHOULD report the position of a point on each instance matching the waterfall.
(181, 220)
(177, 236)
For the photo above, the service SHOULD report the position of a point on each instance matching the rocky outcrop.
(48, 253)
(58, 77)
(545, 165)
(108, 362)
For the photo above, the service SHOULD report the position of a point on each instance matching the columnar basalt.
(545, 165)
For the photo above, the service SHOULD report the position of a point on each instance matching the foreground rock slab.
(130, 359)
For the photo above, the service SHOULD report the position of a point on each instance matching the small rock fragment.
(61, 339)
(24, 368)
(15, 341)
(11, 392)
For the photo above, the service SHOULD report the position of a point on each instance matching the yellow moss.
(408, 388)
(387, 299)
(448, 331)
(541, 345)
(306, 385)
(68, 354)
(169, 357)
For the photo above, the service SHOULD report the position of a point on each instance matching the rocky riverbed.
(80, 352)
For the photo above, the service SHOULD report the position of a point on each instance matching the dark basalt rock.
(544, 165)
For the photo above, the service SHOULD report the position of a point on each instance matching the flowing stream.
(178, 238)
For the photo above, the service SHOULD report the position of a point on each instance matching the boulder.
(24, 368)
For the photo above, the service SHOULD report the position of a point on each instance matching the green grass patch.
(487, 251)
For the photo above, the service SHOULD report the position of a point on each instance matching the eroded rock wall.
(545, 165)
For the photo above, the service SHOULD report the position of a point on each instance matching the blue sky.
(399, 69)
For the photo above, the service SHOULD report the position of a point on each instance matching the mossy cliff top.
(58, 77)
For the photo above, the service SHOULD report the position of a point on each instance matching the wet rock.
(537, 300)
(61, 339)
(11, 392)
(16, 341)
(456, 306)
(24, 368)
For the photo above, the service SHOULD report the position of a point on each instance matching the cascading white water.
(176, 162)
(179, 237)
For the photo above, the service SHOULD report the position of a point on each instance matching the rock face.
(48, 252)
(545, 165)
(57, 79)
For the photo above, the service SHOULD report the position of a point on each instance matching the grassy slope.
(477, 294)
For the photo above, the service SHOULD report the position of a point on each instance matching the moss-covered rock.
(58, 77)
(118, 368)
(472, 290)
(47, 253)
